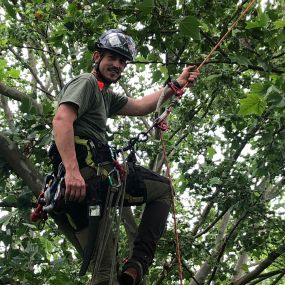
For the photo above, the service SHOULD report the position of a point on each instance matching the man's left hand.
(188, 76)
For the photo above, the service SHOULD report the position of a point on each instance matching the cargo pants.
(157, 197)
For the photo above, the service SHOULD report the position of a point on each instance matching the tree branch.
(20, 164)
(7, 111)
(262, 266)
(19, 96)
(212, 224)
(31, 70)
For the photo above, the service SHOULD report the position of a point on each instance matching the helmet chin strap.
(100, 76)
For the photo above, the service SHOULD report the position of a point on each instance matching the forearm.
(149, 102)
(146, 104)
(75, 188)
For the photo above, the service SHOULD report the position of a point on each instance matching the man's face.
(111, 66)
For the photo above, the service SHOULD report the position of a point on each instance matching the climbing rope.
(225, 35)
(162, 125)
(177, 241)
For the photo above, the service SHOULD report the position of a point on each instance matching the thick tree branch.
(130, 226)
(223, 247)
(268, 275)
(55, 63)
(19, 96)
(7, 111)
(20, 164)
(262, 266)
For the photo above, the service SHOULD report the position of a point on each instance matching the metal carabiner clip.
(117, 178)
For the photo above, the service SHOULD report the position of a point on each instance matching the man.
(85, 103)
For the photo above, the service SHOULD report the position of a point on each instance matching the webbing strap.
(89, 158)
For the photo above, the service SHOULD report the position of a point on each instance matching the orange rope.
(226, 34)
(164, 147)
(177, 242)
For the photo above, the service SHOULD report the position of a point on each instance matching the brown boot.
(132, 273)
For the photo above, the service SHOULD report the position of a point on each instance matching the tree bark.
(20, 164)
(262, 266)
(238, 273)
(205, 269)
(130, 227)
(7, 111)
(19, 96)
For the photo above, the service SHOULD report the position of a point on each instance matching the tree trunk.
(205, 269)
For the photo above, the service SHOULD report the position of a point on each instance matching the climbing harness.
(104, 205)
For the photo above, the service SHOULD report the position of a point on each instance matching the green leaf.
(279, 24)
(9, 8)
(240, 59)
(11, 198)
(164, 70)
(48, 245)
(211, 152)
(261, 22)
(15, 73)
(3, 42)
(26, 105)
(156, 76)
(4, 221)
(252, 104)
(3, 63)
(146, 6)
(258, 88)
(213, 77)
(276, 99)
(273, 89)
(215, 181)
(189, 26)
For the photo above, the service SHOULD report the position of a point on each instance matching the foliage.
(226, 138)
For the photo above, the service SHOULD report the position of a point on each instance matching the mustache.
(115, 69)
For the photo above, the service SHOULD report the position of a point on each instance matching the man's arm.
(147, 104)
(64, 139)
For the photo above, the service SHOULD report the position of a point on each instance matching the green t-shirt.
(94, 105)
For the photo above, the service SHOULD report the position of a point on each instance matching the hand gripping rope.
(161, 123)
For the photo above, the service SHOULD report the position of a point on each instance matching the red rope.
(162, 128)
(173, 207)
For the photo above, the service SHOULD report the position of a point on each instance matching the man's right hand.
(75, 190)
